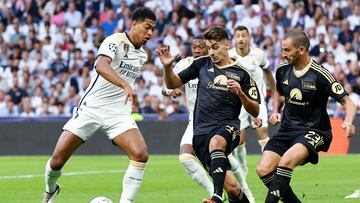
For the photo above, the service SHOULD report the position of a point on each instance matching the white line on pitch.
(64, 174)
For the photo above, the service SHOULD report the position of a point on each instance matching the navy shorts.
(201, 143)
(314, 140)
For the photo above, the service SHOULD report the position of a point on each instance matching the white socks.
(239, 153)
(196, 171)
(51, 176)
(263, 142)
(240, 177)
(132, 181)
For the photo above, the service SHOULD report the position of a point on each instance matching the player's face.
(218, 50)
(289, 52)
(242, 39)
(198, 48)
(143, 29)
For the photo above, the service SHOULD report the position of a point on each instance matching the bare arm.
(350, 109)
(250, 106)
(278, 102)
(172, 79)
(271, 80)
(104, 69)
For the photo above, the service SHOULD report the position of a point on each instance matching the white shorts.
(87, 120)
(188, 134)
(245, 117)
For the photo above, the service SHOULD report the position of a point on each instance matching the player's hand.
(349, 129)
(257, 121)
(234, 86)
(275, 118)
(130, 94)
(175, 93)
(165, 57)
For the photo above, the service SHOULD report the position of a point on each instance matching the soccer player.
(217, 108)
(187, 154)
(256, 63)
(304, 87)
(107, 104)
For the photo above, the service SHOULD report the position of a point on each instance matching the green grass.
(165, 181)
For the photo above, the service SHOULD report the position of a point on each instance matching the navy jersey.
(306, 96)
(215, 104)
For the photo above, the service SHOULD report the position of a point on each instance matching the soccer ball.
(101, 200)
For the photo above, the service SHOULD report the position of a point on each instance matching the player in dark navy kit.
(304, 87)
(223, 87)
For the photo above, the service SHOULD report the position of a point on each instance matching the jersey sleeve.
(249, 87)
(331, 86)
(109, 46)
(192, 71)
(279, 77)
(264, 62)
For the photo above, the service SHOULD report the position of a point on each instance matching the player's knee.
(57, 162)
(287, 162)
(217, 142)
(242, 141)
(262, 170)
(233, 191)
(139, 156)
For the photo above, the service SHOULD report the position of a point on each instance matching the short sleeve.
(279, 77)
(249, 87)
(192, 71)
(109, 46)
(331, 86)
(264, 62)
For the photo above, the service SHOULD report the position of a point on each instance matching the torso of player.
(127, 62)
(306, 97)
(255, 62)
(191, 86)
(215, 105)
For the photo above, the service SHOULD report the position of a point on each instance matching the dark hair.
(142, 13)
(240, 28)
(199, 37)
(298, 38)
(216, 33)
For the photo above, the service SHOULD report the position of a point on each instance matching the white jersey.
(127, 61)
(255, 62)
(191, 86)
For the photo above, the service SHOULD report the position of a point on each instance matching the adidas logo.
(211, 70)
(275, 193)
(218, 170)
(286, 82)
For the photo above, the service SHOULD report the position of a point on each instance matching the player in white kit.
(107, 104)
(257, 65)
(187, 155)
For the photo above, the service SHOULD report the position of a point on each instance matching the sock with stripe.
(288, 196)
(279, 184)
(218, 166)
(196, 171)
(51, 176)
(132, 181)
(242, 198)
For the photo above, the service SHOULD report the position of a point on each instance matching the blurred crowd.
(48, 47)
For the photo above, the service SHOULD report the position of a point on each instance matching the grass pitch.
(165, 181)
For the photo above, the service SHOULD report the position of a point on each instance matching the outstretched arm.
(172, 79)
(350, 109)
